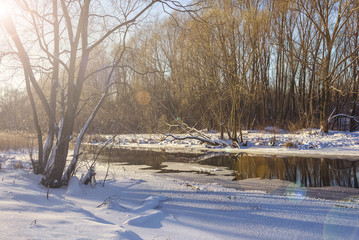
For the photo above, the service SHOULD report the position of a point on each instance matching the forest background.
(229, 65)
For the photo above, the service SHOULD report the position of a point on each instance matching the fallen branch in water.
(189, 130)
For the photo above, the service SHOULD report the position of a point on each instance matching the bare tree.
(329, 19)
(73, 42)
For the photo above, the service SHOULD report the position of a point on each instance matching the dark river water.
(308, 172)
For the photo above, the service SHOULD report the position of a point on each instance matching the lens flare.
(295, 193)
(143, 97)
(338, 223)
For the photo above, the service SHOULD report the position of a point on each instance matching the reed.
(16, 141)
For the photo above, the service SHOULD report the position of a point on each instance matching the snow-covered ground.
(309, 143)
(141, 204)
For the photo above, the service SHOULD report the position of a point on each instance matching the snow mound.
(150, 203)
(151, 219)
(148, 216)
(74, 187)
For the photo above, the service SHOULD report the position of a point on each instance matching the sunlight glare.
(4, 9)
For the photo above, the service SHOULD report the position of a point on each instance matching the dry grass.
(97, 139)
(16, 141)
(290, 145)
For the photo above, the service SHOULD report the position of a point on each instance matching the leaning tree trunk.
(36, 164)
(71, 168)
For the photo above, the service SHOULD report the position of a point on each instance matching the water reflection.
(153, 159)
(307, 172)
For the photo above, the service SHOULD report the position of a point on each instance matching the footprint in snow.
(148, 216)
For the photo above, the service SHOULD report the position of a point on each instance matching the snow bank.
(270, 141)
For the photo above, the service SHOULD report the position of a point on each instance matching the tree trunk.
(53, 92)
(57, 161)
(36, 164)
(47, 147)
(324, 114)
(234, 121)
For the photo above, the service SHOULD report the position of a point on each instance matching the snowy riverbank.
(308, 143)
(142, 204)
(137, 204)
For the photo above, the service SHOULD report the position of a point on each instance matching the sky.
(14, 79)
